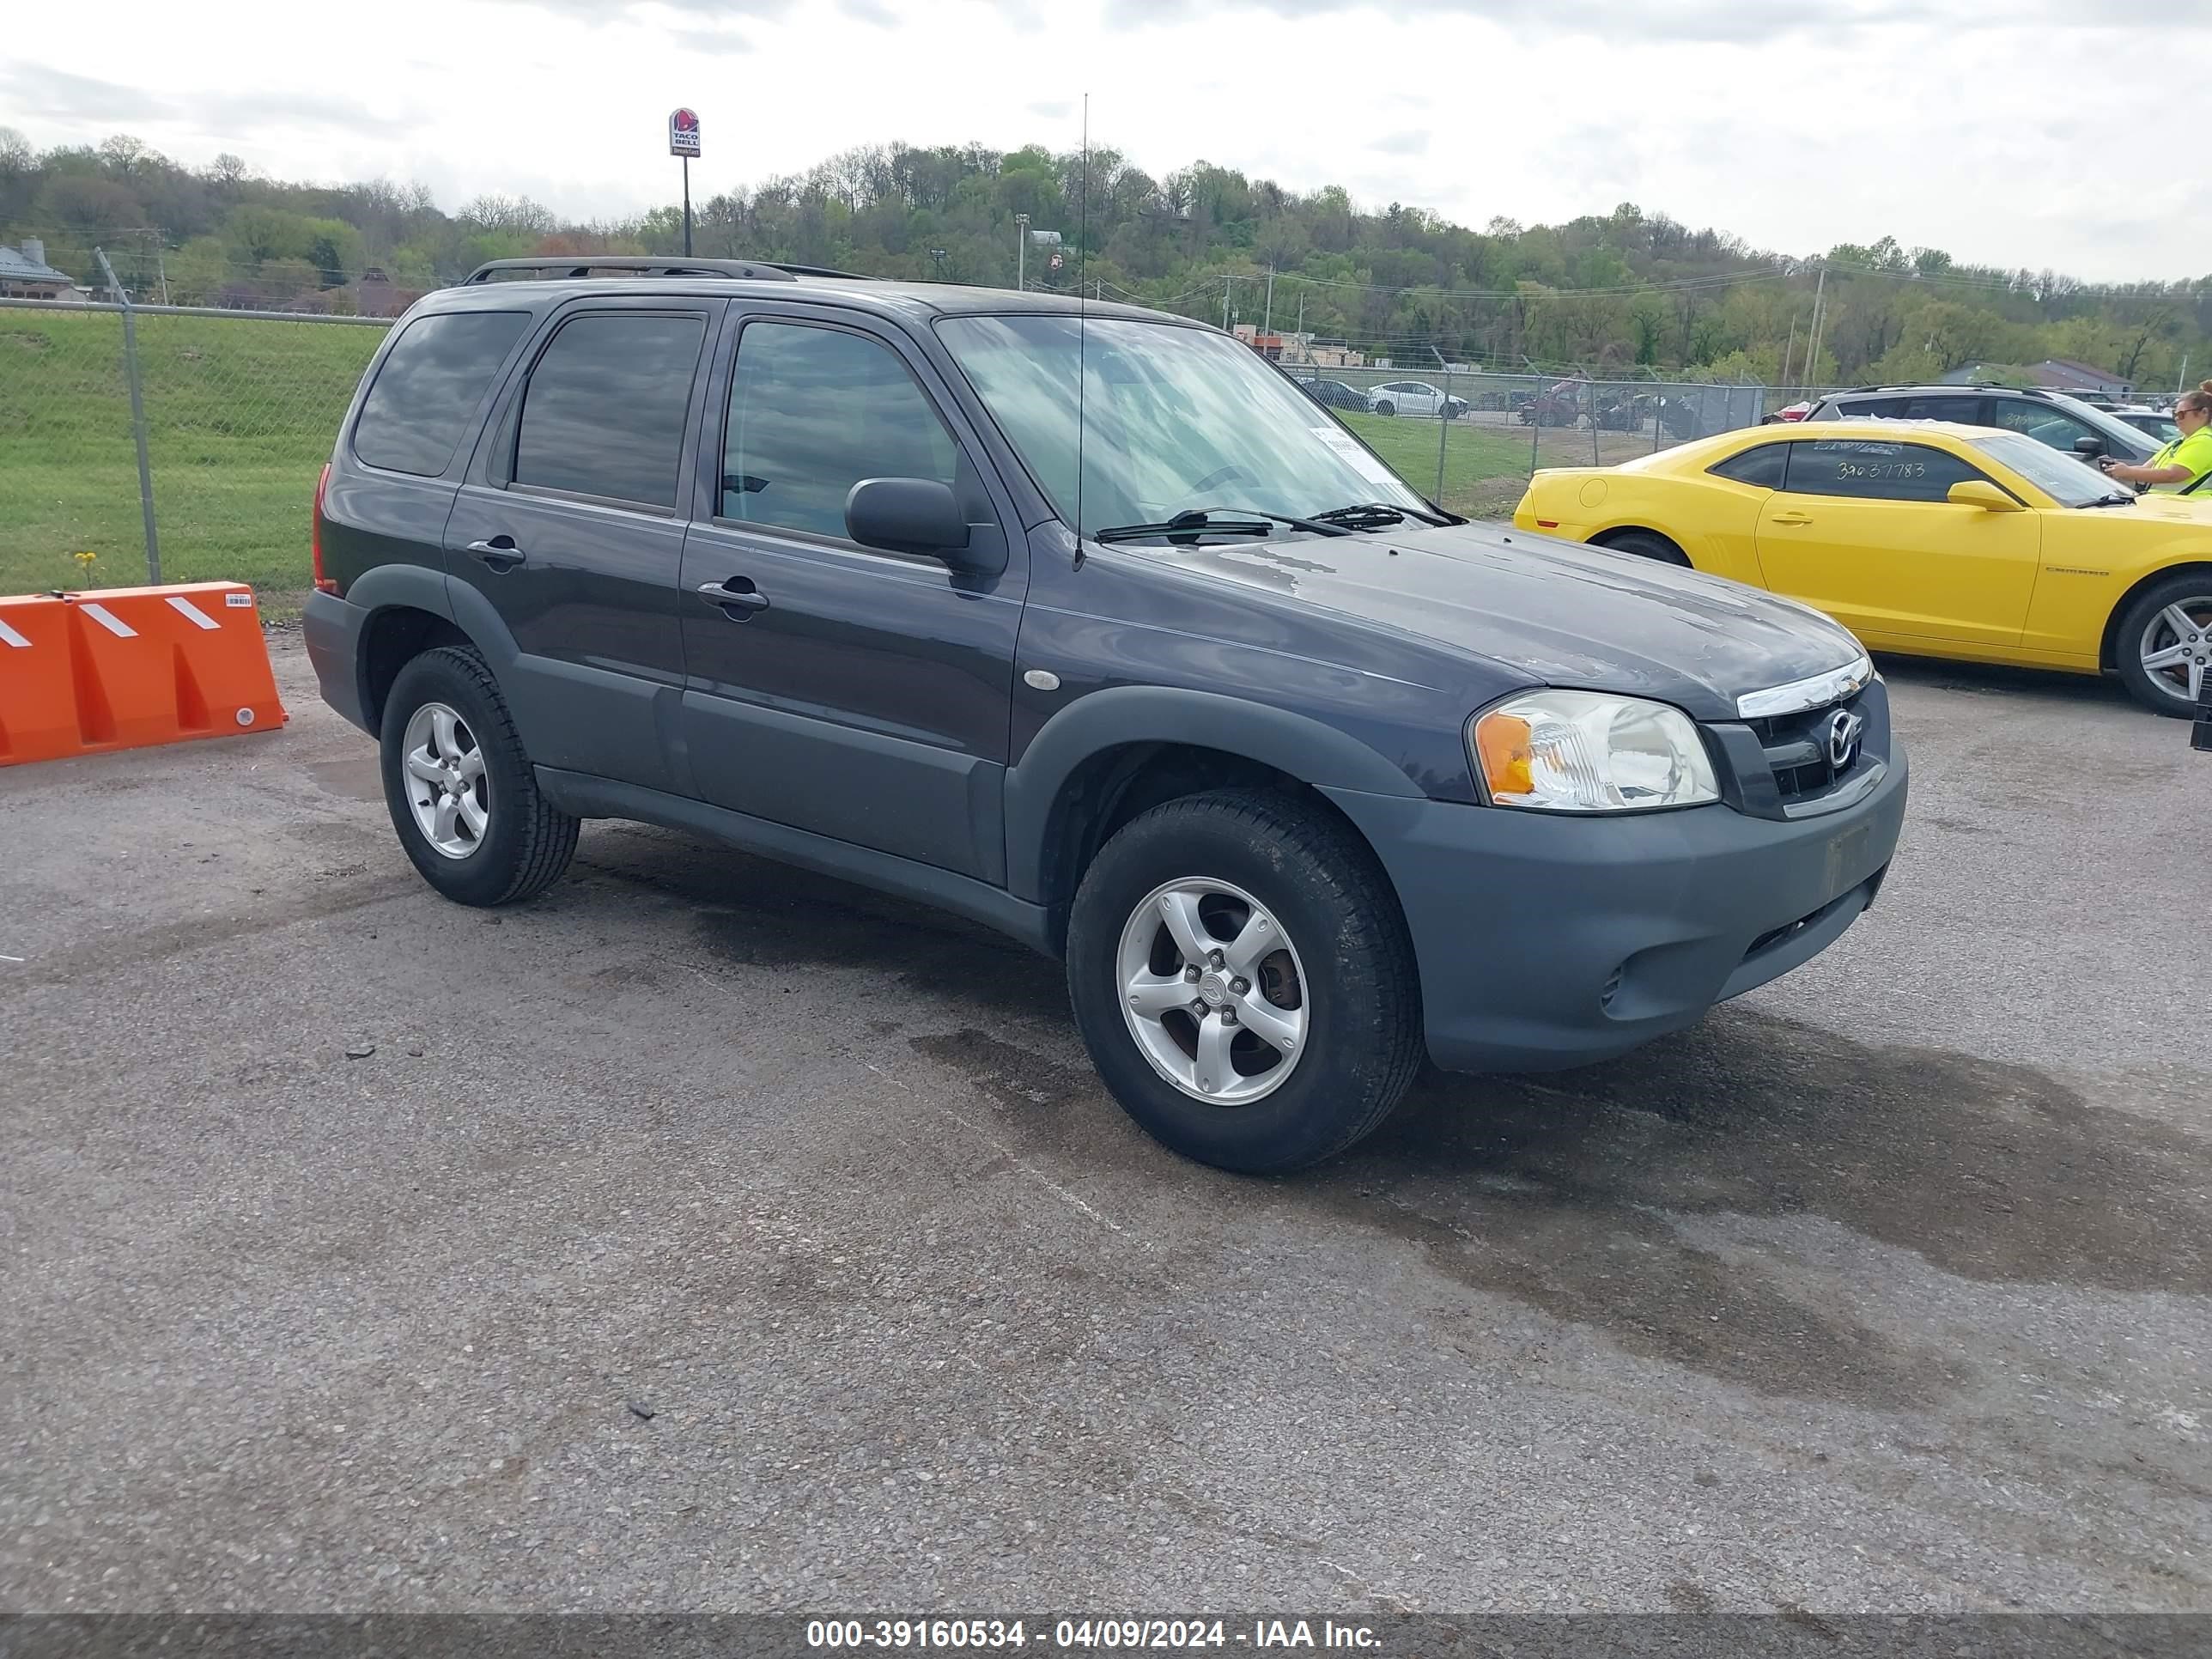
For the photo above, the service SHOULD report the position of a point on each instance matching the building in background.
(24, 275)
(1301, 349)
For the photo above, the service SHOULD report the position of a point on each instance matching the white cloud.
(1946, 121)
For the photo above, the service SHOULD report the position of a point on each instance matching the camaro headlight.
(1586, 751)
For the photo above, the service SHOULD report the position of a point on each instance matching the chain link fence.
(239, 410)
(1469, 439)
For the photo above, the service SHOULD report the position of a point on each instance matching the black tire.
(2190, 591)
(1386, 409)
(1360, 987)
(526, 842)
(1647, 544)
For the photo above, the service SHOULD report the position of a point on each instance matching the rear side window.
(812, 412)
(604, 413)
(1872, 408)
(429, 385)
(1963, 409)
(1761, 464)
(1874, 470)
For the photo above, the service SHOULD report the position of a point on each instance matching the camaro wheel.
(460, 789)
(1244, 979)
(2164, 643)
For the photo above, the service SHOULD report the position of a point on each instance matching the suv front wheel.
(460, 789)
(1242, 975)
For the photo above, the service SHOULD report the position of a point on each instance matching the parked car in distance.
(1294, 776)
(1334, 394)
(1416, 398)
(1796, 412)
(2052, 418)
(1934, 540)
(2153, 424)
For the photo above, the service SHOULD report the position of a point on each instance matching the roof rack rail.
(558, 266)
(1938, 387)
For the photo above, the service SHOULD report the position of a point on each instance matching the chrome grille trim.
(1812, 692)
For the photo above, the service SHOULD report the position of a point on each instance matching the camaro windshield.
(1173, 420)
(2056, 473)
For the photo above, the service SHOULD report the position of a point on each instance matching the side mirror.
(2088, 446)
(1980, 492)
(907, 515)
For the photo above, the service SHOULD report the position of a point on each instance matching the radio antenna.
(1082, 322)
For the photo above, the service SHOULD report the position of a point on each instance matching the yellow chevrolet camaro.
(1922, 537)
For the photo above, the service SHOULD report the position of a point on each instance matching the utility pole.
(1819, 317)
(1021, 250)
(1267, 317)
(1788, 352)
(2183, 379)
(1225, 305)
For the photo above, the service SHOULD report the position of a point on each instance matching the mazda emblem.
(1843, 729)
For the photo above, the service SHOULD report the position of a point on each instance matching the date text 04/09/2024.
(1085, 1634)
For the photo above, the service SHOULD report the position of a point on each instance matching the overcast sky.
(2016, 132)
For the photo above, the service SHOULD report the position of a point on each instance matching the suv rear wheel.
(459, 787)
(1242, 975)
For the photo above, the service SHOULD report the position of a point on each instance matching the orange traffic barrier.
(124, 667)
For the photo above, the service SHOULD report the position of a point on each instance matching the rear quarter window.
(1760, 465)
(429, 386)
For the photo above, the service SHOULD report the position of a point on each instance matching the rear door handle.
(736, 595)
(1790, 518)
(500, 552)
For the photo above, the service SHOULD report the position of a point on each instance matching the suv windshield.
(1174, 419)
(2053, 472)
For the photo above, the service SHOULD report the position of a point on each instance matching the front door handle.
(1790, 518)
(736, 595)
(500, 552)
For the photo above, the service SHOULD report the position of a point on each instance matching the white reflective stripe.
(185, 607)
(9, 636)
(108, 620)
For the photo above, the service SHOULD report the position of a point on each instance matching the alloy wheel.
(1212, 991)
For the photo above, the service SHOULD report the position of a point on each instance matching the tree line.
(1617, 294)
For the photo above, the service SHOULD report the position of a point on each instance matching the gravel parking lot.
(708, 1236)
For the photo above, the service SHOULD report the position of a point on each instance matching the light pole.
(1021, 250)
(938, 254)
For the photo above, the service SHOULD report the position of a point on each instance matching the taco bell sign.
(683, 132)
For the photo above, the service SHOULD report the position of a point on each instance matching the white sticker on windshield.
(1370, 464)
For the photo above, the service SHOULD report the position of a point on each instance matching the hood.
(1559, 613)
(2171, 508)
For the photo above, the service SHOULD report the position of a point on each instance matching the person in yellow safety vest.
(2183, 464)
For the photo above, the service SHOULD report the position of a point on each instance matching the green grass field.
(1484, 467)
(239, 413)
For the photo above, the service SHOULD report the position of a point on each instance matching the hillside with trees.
(1619, 293)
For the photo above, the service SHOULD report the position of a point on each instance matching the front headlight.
(1584, 751)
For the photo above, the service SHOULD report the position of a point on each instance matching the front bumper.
(1546, 941)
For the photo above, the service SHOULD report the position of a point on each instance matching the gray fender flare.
(1305, 748)
(418, 588)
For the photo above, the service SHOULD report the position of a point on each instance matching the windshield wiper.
(2117, 498)
(1201, 521)
(1366, 515)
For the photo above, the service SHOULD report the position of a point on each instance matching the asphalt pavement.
(707, 1236)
